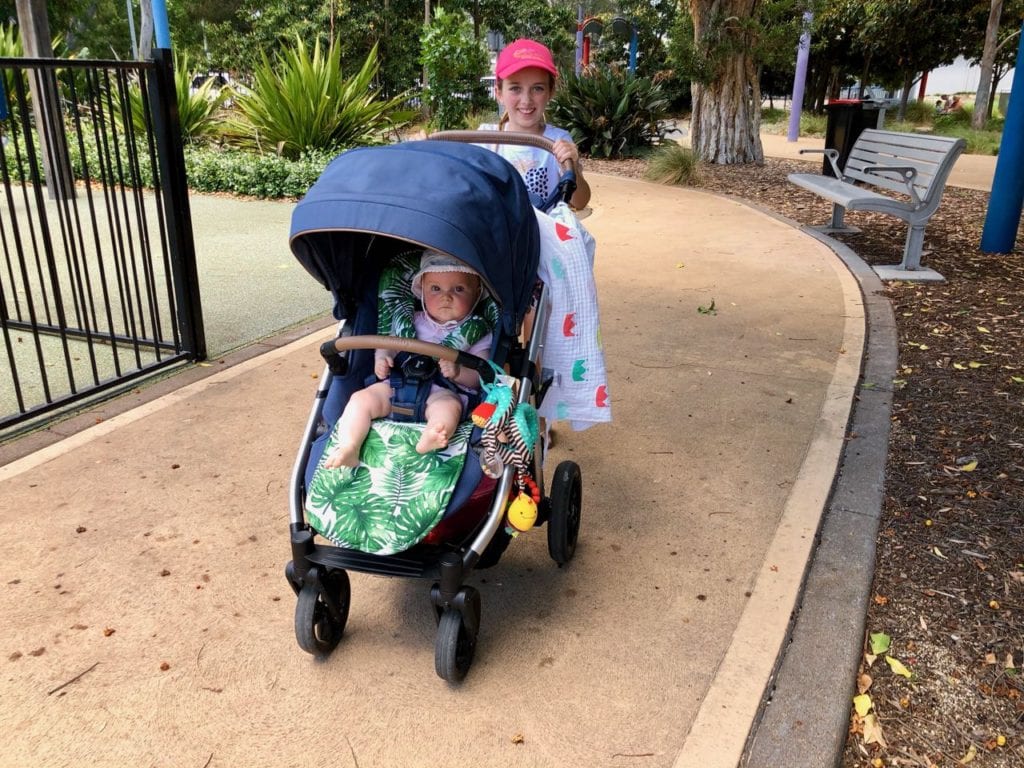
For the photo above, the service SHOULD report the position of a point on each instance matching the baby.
(449, 291)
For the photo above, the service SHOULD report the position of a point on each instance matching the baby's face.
(449, 296)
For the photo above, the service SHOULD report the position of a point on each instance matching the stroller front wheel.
(456, 637)
(321, 611)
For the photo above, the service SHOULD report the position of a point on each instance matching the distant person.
(955, 104)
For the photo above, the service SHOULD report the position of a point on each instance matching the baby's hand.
(449, 369)
(382, 367)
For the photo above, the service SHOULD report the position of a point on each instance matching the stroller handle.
(566, 184)
(415, 346)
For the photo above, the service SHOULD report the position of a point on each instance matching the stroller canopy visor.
(457, 198)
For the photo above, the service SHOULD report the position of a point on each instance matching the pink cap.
(521, 54)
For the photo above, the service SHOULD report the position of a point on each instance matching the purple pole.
(1007, 198)
(802, 52)
(579, 39)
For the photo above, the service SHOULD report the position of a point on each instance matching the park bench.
(900, 174)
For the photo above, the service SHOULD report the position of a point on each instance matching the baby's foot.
(343, 456)
(434, 438)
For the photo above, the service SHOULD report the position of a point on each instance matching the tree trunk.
(35, 39)
(988, 58)
(908, 83)
(146, 31)
(725, 124)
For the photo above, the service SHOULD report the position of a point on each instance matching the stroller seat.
(396, 496)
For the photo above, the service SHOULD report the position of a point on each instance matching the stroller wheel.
(456, 644)
(321, 611)
(565, 506)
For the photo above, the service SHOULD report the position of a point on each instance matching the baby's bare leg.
(443, 411)
(373, 402)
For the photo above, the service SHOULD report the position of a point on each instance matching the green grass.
(672, 163)
(920, 117)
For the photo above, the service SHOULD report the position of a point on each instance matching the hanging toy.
(522, 512)
(509, 435)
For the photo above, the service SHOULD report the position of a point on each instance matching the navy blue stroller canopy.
(461, 199)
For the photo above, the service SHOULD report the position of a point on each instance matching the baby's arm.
(565, 151)
(382, 363)
(466, 377)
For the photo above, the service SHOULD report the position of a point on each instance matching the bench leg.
(912, 249)
(838, 212)
(837, 224)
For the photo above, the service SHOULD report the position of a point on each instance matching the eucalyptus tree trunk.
(988, 58)
(146, 30)
(725, 124)
(35, 39)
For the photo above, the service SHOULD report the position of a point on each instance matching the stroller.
(364, 214)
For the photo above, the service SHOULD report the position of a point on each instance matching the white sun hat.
(435, 261)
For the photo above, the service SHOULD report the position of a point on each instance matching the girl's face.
(449, 296)
(524, 96)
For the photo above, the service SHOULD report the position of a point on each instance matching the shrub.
(454, 61)
(609, 112)
(672, 163)
(244, 173)
(302, 102)
(919, 112)
(197, 111)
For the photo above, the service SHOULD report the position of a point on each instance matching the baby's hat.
(435, 261)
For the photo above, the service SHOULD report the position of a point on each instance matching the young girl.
(524, 83)
(449, 291)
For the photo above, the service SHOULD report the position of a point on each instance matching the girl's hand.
(565, 151)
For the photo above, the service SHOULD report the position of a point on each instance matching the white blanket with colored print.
(572, 345)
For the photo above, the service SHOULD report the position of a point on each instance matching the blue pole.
(161, 27)
(1004, 205)
(579, 39)
(633, 45)
(803, 51)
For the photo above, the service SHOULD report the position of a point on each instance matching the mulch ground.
(948, 592)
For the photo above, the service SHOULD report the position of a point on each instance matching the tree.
(988, 59)
(726, 119)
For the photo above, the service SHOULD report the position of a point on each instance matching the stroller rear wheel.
(321, 611)
(565, 508)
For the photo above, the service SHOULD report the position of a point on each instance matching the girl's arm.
(565, 151)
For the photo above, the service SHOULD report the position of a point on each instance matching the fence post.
(170, 151)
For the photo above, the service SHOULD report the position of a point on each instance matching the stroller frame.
(317, 571)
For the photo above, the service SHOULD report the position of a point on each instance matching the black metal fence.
(98, 282)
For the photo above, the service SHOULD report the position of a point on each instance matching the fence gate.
(98, 282)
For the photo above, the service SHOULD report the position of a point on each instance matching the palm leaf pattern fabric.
(397, 306)
(394, 497)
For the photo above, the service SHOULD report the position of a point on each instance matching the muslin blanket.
(572, 345)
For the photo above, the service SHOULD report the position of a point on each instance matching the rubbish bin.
(846, 119)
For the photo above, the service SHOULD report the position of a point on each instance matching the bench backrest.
(932, 156)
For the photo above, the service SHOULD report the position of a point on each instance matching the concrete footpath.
(728, 513)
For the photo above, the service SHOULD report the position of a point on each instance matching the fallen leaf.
(970, 466)
(990, 658)
(862, 704)
(974, 364)
(518, 739)
(960, 367)
(897, 667)
(873, 732)
(881, 600)
(972, 752)
(864, 682)
(869, 658)
(879, 642)
(1009, 662)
